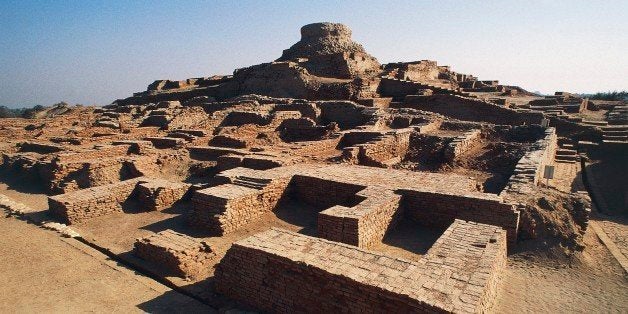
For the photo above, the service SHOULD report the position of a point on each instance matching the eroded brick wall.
(82, 205)
(365, 223)
(283, 272)
(441, 209)
(225, 208)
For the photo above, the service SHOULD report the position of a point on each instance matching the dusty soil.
(593, 283)
(42, 272)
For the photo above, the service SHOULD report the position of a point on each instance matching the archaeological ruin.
(324, 181)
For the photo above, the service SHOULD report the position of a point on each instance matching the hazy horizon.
(95, 52)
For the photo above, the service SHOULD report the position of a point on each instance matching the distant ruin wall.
(461, 144)
(471, 109)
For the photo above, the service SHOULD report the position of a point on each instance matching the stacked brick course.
(364, 224)
(225, 208)
(529, 170)
(461, 144)
(283, 272)
(82, 205)
(160, 194)
(180, 254)
(440, 209)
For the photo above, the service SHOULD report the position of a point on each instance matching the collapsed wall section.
(284, 272)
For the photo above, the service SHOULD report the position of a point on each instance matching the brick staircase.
(618, 115)
(615, 134)
(253, 183)
(566, 153)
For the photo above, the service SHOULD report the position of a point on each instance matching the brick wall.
(283, 272)
(440, 209)
(225, 208)
(177, 253)
(472, 109)
(365, 223)
(461, 144)
(529, 170)
(160, 194)
(82, 205)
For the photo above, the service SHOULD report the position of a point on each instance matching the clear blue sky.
(93, 52)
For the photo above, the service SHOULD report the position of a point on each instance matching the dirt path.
(42, 272)
(596, 283)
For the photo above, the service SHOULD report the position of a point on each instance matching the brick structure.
(79, 206)
(461, 144)
(177, 253)
(364, 224)
(530, 168)
(226, 208)
(160, 194)
(359, 205)
(283, 272)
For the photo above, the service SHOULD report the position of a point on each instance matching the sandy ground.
(595, 283)
(41, 272)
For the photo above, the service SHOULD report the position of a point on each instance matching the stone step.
(565, 152)
(615, 137)
(248, 184)
(566, 158)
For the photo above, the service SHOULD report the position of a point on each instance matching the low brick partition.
(461, 144)
(385, 150)
(284, 272)
(225, 208)
(440, 209)
(82, 205)
(364, 224)
(159, 194)
(180, 254)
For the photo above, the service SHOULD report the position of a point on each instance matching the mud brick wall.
(472, 109)
(530, 168)
(177, 253)
(160, 194)
(461, 144)
(283, 272)
(236, 118)
(324, 193)
(441, 209)
(482, 250)
(364, 224)
(386, 150)
(225, 208)
(346, 113)
(211, 153)
(307, 109)
(82, 205)
(355, 137)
